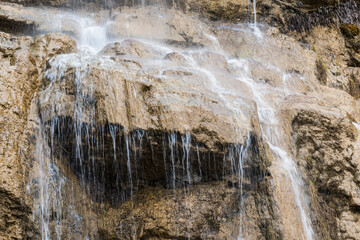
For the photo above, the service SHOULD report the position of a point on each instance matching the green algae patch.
(350, 30)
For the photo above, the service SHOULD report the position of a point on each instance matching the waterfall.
(179, 154)
(88, 165)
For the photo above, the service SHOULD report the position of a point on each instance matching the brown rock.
(22, 61)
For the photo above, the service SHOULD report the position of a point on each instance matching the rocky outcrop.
(287, 16)
(330, 177)
(123, 105)
(325, 145)
(143, 101)
(303, 16)
(173, 137)
(146, 112)
(22, 62)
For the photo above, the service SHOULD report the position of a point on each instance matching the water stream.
(254, 9)
(273, 134)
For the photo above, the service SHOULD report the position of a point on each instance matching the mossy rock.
(350, 30)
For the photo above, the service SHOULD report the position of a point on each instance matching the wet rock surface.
(138, 141)
(22, 62)
(325, 144)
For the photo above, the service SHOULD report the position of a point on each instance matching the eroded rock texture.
(22, 62)
(184, 134)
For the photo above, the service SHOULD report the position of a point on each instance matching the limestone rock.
(183, 95)
(22, 61)
(142, 100)
(325, 149)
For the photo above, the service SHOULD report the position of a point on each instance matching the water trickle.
(199, 162)
(172, 144)
(51, 183)
(128, 163)
(113, 132)
(186, 142)
(254, 9)
(272, 134)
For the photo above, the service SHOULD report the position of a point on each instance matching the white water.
(51, 182)
(254, 9)
(93, 37)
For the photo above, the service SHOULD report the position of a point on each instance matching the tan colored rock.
(130, 48)
(22, 62)
(140, 100)
(349, 225)
(329, 44)
(143, 85)
(325, 138)
(177, 28)
(203, 212)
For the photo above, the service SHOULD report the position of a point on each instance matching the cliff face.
(180, 127)
(22, 63)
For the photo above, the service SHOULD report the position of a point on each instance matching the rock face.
(287, 16)
(134, 98)
(22, 63)
(333, 179)
(174, 127)
(138, 100)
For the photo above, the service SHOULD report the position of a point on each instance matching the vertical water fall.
(254, 9)
(273, 135)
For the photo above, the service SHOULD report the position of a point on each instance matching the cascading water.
(272, 134)
(112, 161)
